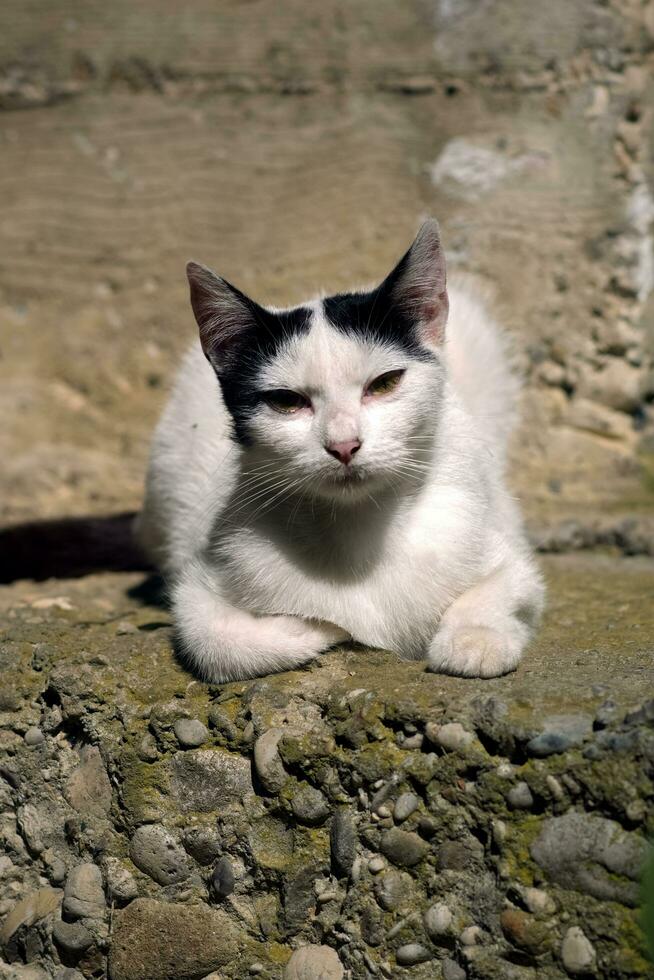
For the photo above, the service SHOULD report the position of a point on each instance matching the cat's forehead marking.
(326, 358)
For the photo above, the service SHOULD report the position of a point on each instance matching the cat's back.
(479, 363)
(192, 465)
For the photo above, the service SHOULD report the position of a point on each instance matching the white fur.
(272, 558)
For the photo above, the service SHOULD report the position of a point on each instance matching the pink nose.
(344, 451)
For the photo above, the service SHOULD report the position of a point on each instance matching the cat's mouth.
(346, 480)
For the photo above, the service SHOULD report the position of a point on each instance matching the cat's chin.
(348, 488)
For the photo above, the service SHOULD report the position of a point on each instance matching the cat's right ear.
(224, 315)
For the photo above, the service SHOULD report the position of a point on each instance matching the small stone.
(453, 737)
(169, 941)
(454, 855)
(34, 736)
(471, 936)
(34, 906)
(412, 953)
(523, 930)
(549, 743)
(72, 937)
(392, 889)
(56, 871)
(375, 865)
(405, 805)
(402, 847)
(120, 882)
(84, 893)
(207, 780)
(452, 970)
(190, 733)
(256, 968)
(554, 787)
(537, 900)
(267, 760)
(125, 628)
(88, 789)
(147, 749)
(577, 952)
(155, 852)
(310, 806)
(412, 742)
(438, 920)
(68, 974)
(314, 963)
(222, 878)
(591, 854)
(205, 844)
(499, 831)
(519, 797)
(343, 842)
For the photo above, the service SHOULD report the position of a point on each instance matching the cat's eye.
(385, 383)
(285, 401)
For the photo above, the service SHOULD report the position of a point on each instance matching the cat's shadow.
(71, 547)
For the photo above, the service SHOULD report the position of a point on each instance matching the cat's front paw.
(474, 651)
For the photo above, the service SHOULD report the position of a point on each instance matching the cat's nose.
(343, 451)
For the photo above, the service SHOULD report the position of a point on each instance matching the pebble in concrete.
(403, 847)
(452, 970)
(190, 733)
(312, 962)
(83, 893)
(470, 936)
(453, 737)
(155, 852)
(267, 761)
(222, 878)
(310, 806)
(405, 805)
(438, 920)
(73, 937)
(519, 797)
(412, 953)
(577, 952)
(34, 736)
(343, 842)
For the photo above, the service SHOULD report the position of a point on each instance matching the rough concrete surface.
(413, 825)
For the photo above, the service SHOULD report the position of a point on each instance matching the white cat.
(336, 471)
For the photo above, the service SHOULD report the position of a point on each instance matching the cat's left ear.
(225, 316)
(417, 285)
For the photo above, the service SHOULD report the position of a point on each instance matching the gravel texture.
(303, 830)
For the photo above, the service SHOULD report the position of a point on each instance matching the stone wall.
(296, 149)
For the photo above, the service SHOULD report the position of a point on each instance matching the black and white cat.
(336, 471)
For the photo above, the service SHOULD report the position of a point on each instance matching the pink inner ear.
(434, 318)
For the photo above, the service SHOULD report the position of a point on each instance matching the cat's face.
(341, 414)
(338, 398)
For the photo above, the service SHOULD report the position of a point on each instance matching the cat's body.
(401, 535)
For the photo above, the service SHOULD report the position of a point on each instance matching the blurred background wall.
(294, 146)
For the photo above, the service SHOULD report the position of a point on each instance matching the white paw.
(314, 634)
(474, 651)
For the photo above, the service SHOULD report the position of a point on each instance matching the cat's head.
(340, 396)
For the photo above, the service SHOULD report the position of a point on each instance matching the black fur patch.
(239, 377)
(374, 316)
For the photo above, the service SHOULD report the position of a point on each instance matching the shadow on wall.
(70, 548)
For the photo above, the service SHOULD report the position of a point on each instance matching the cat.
(335, 472)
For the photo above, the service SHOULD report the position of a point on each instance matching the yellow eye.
(385, 383)
(285, 401)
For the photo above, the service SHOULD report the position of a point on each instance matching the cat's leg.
(220, 642)
(484, 632)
